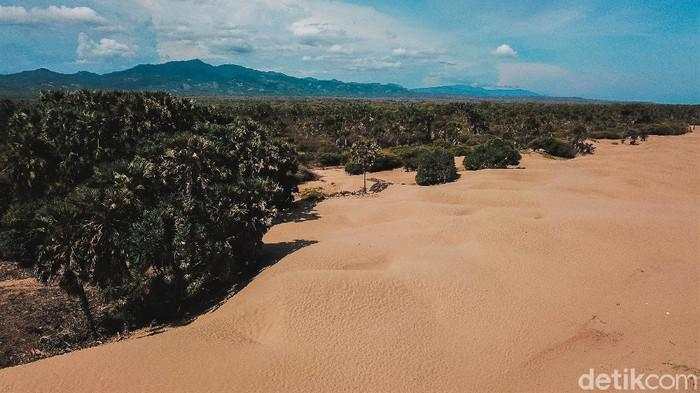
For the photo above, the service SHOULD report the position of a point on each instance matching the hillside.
(194, 77)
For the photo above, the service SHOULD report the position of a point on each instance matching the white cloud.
(89, 50)
(314, 33)
(336, 48)
(272, 30)
(371, 64)
(504, 50)
(417, 53)
(51, 14)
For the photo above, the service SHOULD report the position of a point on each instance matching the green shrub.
(354, 168)
(495, 153)
(382, 162)
(607, 134)
(460, 150)
(7, 108)
(331, 159)
(19, 237)
(385, 161)
(556, 147)
(409, 155)
(319, 125)
(666, 129)
(436, 166)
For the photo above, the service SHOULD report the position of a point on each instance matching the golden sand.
(504, 281)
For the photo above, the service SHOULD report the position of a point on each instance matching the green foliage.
(496, 153)
(20, 236)
(331, 125)
(353, 168)
(555, 147)
(460, 150)
(7, 108)
(577, 143)
(55, 145)
(436, 166)
(674, 128)
(385, 161)
(363, 155)
(409, 155)
(137, 195)
(607, 134)
(331, 159)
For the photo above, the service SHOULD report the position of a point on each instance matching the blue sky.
(625, 50)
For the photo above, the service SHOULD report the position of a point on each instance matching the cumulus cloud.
(504, 50)
(51, 14)
(89, 50)
(311, 32)
(417, 53)
(370, 64)
(337, 32)
(336, 48)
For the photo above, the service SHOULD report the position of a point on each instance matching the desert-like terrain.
(504, 281)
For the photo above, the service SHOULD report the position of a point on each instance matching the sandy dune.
(505, 281)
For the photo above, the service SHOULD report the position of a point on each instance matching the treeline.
(331, 126)
(145, 197)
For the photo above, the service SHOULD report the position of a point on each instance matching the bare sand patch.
(504, 281)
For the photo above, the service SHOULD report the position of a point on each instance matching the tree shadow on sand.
(303, 210)
(269, 255)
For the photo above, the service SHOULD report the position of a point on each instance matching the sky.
(618, 50)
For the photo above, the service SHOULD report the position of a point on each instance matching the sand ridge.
(506, 280)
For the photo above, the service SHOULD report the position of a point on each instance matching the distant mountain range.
(196, 78)
(475, 91)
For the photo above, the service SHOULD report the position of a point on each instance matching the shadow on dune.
(303, 210)
(269, 255)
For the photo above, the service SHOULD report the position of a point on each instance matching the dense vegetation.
(332, 126)
(141, 196)
(496, 153)
(436, 166)
(151, 200)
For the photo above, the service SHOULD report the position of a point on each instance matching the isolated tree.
(363, 154)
